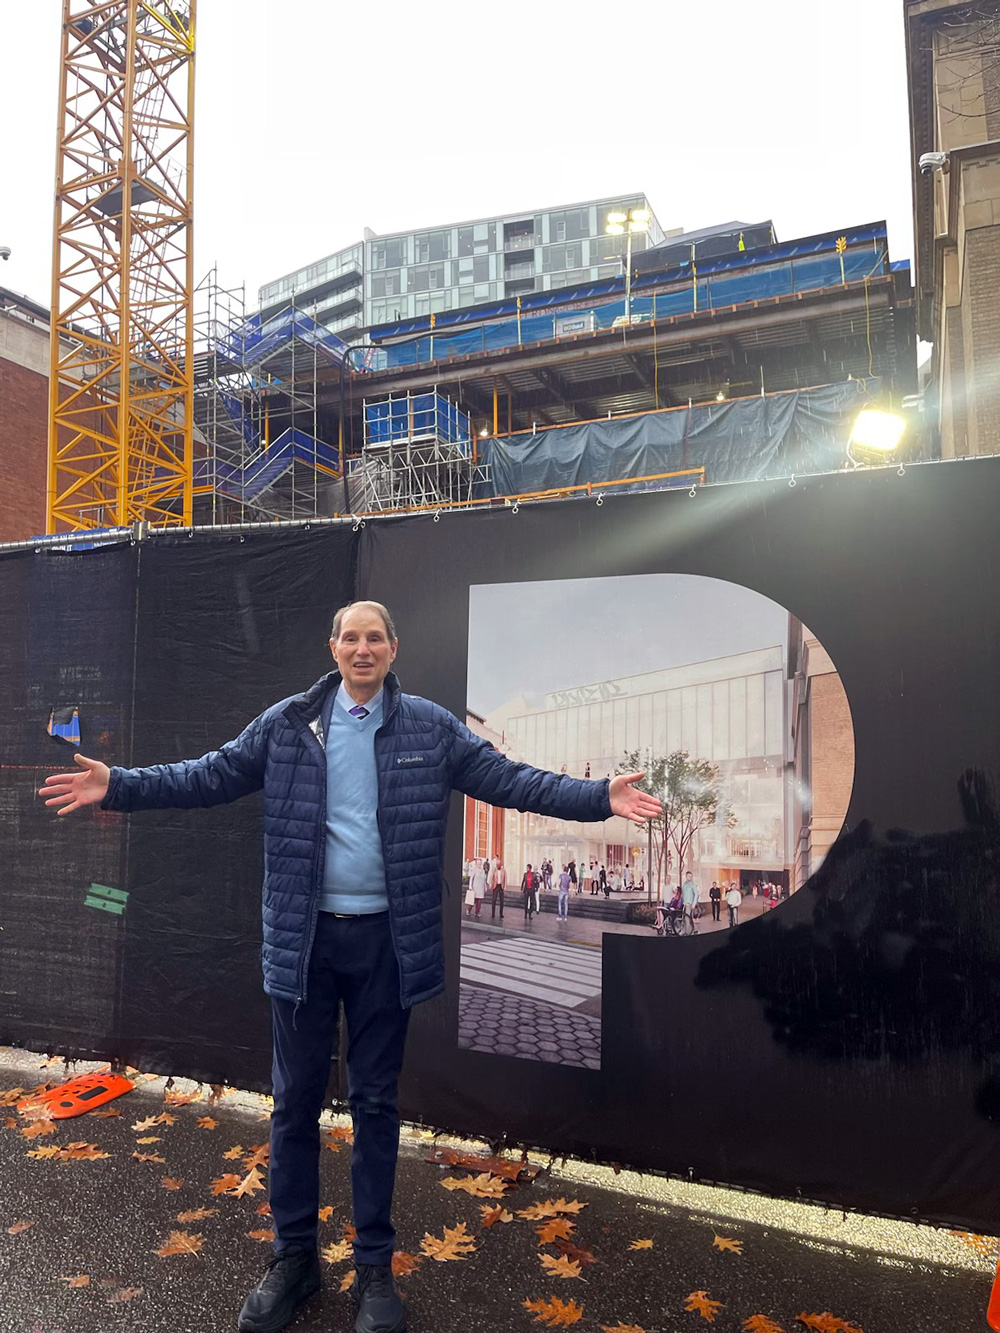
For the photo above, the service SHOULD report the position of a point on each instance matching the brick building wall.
(954, 80)
(24, 402)
(832, 740)
(981, 324)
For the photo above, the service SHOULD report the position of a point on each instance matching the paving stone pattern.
(502, 1024)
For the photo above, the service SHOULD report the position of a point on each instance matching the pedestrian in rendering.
(689, 896)
(603, 878)
(562, 903)
(478, 884)
(352, 915)
(529, 891)
(587, 877)
(546, 874)
(715, 898)
(733, 900)
(499, 877)
(573, 879)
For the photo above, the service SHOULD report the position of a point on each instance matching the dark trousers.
(716, 910)
(497, 897)
(352, 963)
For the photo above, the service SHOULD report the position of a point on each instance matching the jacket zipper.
(381, 833)
(318, 736)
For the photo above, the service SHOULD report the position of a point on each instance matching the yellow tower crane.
(121, 370)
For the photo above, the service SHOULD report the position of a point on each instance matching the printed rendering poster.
(738, 717)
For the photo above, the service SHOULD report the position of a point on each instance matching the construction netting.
(773, 435)
(842, 1046)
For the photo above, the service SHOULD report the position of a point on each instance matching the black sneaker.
(380, 1309)
(290, 1279)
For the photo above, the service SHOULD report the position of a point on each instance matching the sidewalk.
(88, 1261)
(581, 930)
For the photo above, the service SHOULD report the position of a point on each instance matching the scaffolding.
(261, 451)
(418, 452)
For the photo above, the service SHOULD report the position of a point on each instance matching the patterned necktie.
(358, 711)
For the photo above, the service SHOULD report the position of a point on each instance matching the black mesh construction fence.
(843, 1047)
(139, 938)
(67, 647)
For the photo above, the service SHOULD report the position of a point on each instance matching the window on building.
(383, 312)
(738, 718)
(606, 249)
(557, 257)
(431, 245)
(570, 225)
(482, 828)
(386, 284)
(389, 253)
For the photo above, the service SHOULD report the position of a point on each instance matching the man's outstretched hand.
(72, 791)
(627, 800)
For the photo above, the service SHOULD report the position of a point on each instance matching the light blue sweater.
(354, 872)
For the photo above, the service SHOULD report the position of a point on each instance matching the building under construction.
(527, 354)
(731, 361)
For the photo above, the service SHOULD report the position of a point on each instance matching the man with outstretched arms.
(356, 778)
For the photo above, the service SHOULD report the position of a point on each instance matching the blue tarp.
(254, 339)
(731, 285)
(872, 236)
(265, 467)
(416, 415)
(748, 439)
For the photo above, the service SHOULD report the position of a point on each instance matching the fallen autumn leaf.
(556, 1228)
(551, 1208)
(554, 1312)
(727, 1243)
(482, 1187)
(701, 1303)
(456, 1243)
(180, 1242)
(561, 1267)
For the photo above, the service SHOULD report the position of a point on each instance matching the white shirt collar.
(346, 701)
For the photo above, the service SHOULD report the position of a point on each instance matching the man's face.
(363, 651)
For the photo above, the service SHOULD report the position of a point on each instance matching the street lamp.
(627, 224)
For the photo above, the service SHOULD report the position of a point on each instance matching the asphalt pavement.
(80, 1231)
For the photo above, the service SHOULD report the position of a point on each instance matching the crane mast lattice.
(121, 371)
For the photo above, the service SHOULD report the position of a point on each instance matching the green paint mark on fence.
(106, 899)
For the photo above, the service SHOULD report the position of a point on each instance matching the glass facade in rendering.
(730, 711)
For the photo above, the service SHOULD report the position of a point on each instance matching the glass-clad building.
(449, 267)
(729, 711)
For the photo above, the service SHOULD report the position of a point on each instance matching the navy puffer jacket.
(421, 753)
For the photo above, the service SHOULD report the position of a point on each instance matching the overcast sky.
(315, 120)
(530, 638)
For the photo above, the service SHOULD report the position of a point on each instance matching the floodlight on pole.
(875, 437)
(618, 223)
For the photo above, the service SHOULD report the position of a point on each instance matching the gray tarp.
(747, 439)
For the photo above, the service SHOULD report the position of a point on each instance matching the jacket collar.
(308, 706)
